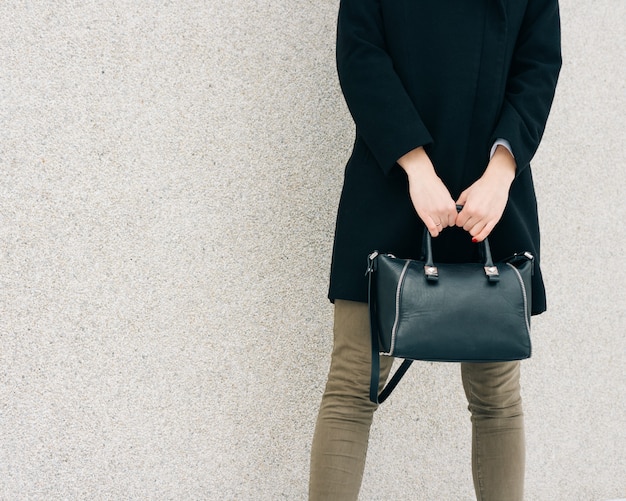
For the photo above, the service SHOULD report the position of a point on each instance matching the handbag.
(449, 312)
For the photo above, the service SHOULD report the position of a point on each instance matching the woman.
(450, 100)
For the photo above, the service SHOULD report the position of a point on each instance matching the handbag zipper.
(394, 329)
(521, 282)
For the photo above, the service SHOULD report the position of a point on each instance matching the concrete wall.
(169, 174)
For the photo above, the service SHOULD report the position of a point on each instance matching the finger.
(476, 225)
(477, 228)
(433, 226)
(447, 217)
(462, 218)
(458, 215)
(462, 198)
(452, 218)
(485, 232)
(471, 223)
(451, 215)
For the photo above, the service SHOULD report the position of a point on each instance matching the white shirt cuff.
(501, 142)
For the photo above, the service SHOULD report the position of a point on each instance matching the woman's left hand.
(485, 200)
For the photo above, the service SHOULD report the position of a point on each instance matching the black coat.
(452, 76)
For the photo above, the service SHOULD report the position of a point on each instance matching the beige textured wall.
(169, 173)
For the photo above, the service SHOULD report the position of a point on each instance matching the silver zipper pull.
(370, 262)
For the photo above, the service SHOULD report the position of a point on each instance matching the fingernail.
(474, 240)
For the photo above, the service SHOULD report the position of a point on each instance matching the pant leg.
(498, 450)
(342, 430)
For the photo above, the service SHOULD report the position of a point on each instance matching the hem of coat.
(538, 310)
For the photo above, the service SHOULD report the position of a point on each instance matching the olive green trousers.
(343, 424)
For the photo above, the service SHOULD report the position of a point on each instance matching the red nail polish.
(474, 240)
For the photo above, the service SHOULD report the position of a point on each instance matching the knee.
(347, 392)
(493, 390)
(345, 405)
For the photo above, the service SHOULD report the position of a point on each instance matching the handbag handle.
(432, 273)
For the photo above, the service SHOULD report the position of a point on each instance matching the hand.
(485, 200)
(431, 199)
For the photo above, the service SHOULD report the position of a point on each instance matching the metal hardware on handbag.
(468, 312)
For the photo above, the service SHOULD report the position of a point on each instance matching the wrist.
(416, 163)
(502, 165)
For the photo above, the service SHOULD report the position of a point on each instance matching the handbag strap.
(379, 398)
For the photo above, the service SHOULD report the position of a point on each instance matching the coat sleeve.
(531, 82)
(384, 114)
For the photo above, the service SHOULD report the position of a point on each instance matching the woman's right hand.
(431, 199)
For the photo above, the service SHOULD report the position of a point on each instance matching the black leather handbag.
(469, 312)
